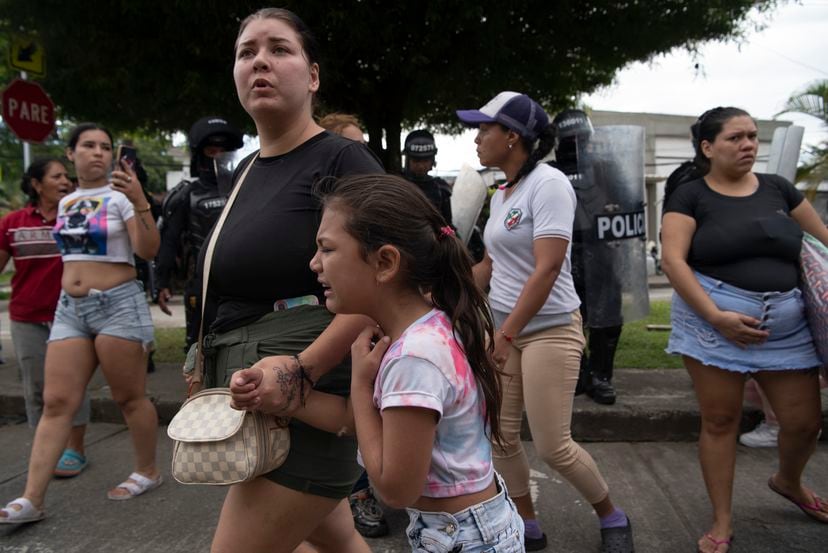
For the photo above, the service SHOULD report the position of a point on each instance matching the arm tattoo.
(289, 384)
(143, 222)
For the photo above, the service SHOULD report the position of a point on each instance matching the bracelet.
(508, 338)
(302, 371)
(304, 376)
(149, 207)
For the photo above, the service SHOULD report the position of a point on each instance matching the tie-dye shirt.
(427, 368)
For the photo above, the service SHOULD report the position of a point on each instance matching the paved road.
(658, 484)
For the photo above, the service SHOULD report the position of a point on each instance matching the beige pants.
(540, 375)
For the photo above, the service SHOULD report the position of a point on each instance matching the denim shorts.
(121, 312)
(492, 525)
(789, 346)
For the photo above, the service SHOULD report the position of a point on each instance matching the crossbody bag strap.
(198, 373)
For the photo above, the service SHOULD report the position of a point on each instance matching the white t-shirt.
(542, 205)
(91, 226)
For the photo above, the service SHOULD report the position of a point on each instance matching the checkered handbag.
(218, 445)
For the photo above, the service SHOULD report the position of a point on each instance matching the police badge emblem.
(512, 218)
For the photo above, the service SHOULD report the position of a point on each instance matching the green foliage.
(162, 65)
(152, 151)
(812, 101)
(169, 345)
(640, 348)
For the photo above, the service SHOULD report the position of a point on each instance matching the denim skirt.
(789, 346)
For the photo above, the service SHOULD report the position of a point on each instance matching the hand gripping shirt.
(426, 368)
(91, 226)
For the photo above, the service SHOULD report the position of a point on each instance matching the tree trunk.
(393, 151)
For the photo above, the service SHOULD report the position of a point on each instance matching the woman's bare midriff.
(455, 504)
(81, 276)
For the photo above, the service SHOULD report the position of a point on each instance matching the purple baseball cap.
(513, 110)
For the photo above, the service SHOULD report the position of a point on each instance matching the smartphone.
(126, 155)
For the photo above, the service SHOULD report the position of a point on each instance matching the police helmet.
(214, 131)
(572, 122)
(420, 144)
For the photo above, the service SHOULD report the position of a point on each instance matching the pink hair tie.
(446, 231)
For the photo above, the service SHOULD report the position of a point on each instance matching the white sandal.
(135, 485)
(26, 513)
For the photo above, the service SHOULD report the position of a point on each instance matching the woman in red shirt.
(26, 236)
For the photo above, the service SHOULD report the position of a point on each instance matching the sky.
(757, 74)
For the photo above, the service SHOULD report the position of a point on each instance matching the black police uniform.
(189, 213)
(420, 144)
(574, 128)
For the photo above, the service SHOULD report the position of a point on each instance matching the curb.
(654, 405)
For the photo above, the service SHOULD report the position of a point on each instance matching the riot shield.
(610, 254)
(467, 198)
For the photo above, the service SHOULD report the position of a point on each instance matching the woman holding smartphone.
(102, 317)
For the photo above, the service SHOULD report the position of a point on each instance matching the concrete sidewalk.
(651, 468)
(659, 485)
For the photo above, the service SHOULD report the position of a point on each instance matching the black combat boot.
(602, 345)
(584, 376)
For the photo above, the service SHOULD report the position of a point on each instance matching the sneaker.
(764, 435)
(368, 516)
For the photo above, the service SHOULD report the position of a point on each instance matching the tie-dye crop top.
(427, 368)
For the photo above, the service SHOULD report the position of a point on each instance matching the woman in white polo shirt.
(539, 340)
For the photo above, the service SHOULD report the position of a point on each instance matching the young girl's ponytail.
(455, 292)
(384, 209)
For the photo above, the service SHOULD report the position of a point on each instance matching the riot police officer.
(420, 152)
(608, 260)
(190, 211)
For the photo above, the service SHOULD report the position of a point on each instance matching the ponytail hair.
(36, 171)
(538, 149)
(388, 210)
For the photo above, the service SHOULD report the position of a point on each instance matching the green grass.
(644, 349)
(639, 348)
(169, 345)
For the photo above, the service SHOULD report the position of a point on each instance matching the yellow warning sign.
(26, 54)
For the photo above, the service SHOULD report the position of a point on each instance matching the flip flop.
(71, 464)
(718, 543)
(813, 510)
(27, 512)
(135, 485)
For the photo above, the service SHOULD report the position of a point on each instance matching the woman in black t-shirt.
(731, 244)
(269, 319)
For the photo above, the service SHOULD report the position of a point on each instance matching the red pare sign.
(28, 111)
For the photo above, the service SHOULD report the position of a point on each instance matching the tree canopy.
(160, 65)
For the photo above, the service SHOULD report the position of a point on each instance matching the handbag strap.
(198, 374)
